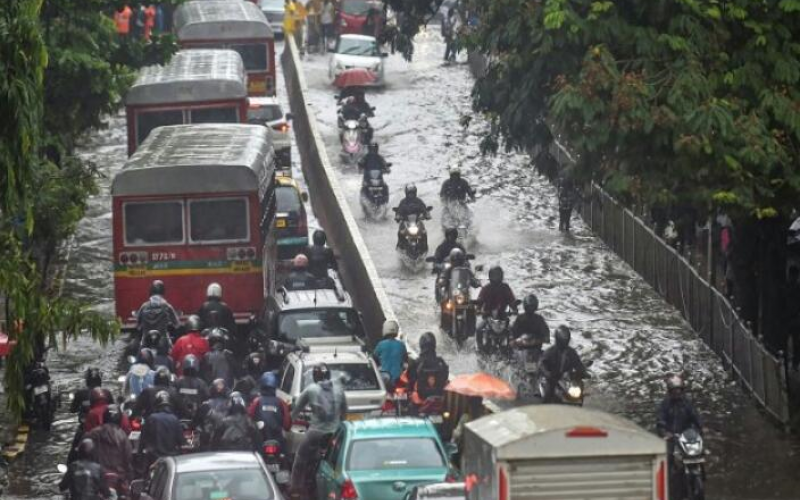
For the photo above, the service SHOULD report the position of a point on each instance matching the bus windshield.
(153, 222)
(219, 220)
(254, 56)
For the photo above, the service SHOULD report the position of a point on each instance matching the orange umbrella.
(354, 77)
(481, 385)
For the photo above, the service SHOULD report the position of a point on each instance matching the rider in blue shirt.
(391, 353)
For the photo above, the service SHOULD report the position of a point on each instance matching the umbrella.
(481, 385)
(354, 77)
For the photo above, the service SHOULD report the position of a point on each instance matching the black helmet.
(373, 147)
(237, 405)
(93, 378)
(496, 274)
(531, 304)
(146, 357)
(675, 383)
(563, 336)
(157, 288)
(85, 449)
(191, 365)
(455, 173)
(163, 400)
(254, 363)
(218, 388)
(152, 338)
(112, 415)
(98, 395)
(427, 342)
(193, 323)
(216, 339)
(457, 257)
(411, 191)
(451, 234)
(162, 377)
(321, 372)
(320, 238)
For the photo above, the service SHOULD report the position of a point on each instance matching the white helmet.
(390, 327)
(214, 290)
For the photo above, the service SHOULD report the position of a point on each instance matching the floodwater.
(617, 319)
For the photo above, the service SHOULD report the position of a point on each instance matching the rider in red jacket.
(191, 343)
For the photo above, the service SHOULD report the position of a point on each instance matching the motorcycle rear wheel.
(696, 487)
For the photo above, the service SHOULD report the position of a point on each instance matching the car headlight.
(574, 392)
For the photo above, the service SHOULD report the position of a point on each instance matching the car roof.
(322, 298)
(201, 462)
(364, 38)
(344, 357)
(391, 427)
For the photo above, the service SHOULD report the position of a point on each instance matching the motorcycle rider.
(248, 386)
(162, 434)
(532, 324)
(391, 353)
(325, 398)
(156, 313)
(428, 364)
(147, 402)
(85, 478)
(236, 432)
(112, 448)
(456, 189)
(161, 355)
(218, 362)
(320, 257)
(410, 206)
(191, 343)
(212, 411)
(99, 399)
(676, 414)
(192, 390)
(495, 295)
(373, 160)
(140, 375)
(299, 277)
(357, 108)
(214, 313)
(271, 410)
(558, 360)
(80, 399)
(449, 244)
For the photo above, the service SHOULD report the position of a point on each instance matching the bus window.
(219, 220)
(254, 56)
(153, 222)
(228, 114)
(148, 120)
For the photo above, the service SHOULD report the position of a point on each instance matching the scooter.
(494, 335)
(689, 462)
(352, 141)
(375, 193)
(456, 214)
(413, 239)
(39, 394)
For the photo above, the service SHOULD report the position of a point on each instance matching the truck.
(562, 452)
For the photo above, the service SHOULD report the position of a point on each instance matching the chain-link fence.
(705, 308)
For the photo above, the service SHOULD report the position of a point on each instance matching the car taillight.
(283, 127)
(661, 481)
(136, 424)
(271, 449)
(349, 491)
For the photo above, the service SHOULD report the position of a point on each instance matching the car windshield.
(395, 453)
(268, 113)
(287, 199)
(354, 376)
(272, 4)
(318, 323)
(357, 47)
(234, 484)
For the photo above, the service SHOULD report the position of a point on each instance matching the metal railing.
(709, 313)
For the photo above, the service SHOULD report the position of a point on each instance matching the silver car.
(364, 388)
(267, 111)
(273, 10)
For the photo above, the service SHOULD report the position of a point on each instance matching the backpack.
(155, 317)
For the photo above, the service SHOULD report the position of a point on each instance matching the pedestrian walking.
(149, 21)
(300, 15)
(450, 24)
(122, 20)
(326, 18)
(567, 196)
(160, 18)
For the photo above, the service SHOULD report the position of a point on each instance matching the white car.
(267, 111)
(356, 371)
(357, 51)
(273, 10)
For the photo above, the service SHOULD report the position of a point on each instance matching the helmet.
(98, 395)
(163, 400)
(214, 290)
(152, 338)
(193, 323)
(320, 238)
(321, 372)
(531, 303)
(427, 342)
(455, 173)
(563, 336)
(93, 377)
(237, 404)
(675, 382)
(254, 361)
(268, 381)
(191, 365)
(218, 388)
(300, 261)
(411, 191)
(85, 449)
(451, 234)
(146, 357)
(112, 415)
(496, 274)
(373, 147)
(457, 257)
(390, 328)
(216, 339)
(162, 377)
(157, 288)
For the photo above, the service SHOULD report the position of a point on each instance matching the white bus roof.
(191, 76)
(220, 20)
(203, 158)
(560, 431)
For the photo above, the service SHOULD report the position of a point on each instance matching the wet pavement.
(617, 320)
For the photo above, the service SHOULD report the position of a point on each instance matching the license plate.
(134, 435)
(376, 189)
(531, 366)
(436, 419)
(40, 390)
(282, 477)
(352, 417)
(280, 223)
(257, 87)
(273, 467)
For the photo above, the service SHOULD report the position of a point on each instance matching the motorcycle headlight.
(693, 449)
(413, 230)
(574, 392)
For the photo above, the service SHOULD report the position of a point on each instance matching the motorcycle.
(432, 409)
(440, 269)
(527, 353)
(569, 390)
(375, 193)
(39, 395)
(276, 462)
(494, 335)
(456, 214)
(117, 488)
(413, 238)
(191, 437)
(352, 141)
(689, 464)
(457, 314)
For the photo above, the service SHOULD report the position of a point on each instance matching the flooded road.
(617, 320)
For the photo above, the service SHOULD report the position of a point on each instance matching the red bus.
(236, 25)
(192, 207)
(196, 86)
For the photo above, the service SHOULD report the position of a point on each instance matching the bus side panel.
(130, 122)
(272, 88)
